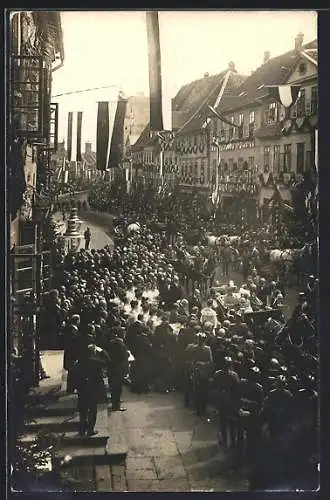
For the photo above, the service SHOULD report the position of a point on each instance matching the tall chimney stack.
(299, 40)
(266, 56)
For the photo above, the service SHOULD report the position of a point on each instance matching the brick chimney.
(231, 66)
(266, 56)
(298, 42)
(88, 147)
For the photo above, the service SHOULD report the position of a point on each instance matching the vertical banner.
(117, 136)
(74, 136)
(155, 79)
(102, 136)
(69, 139)
(79, 127)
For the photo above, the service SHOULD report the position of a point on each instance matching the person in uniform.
(117, 369)
(202, 361)
(226, 383)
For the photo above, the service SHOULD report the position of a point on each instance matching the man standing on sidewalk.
(87, 236)
(90, 385)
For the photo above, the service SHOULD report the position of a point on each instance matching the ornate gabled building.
(269, 146)
(193, 138)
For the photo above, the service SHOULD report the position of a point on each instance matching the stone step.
(117, 446)
(71, 438)
(66, 405)
(53, 424)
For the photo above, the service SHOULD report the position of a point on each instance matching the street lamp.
(73, 234)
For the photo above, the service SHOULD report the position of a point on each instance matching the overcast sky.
(110, 48)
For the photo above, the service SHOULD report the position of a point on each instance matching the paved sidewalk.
(171, 449)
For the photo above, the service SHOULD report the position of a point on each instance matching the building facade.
(36, 51)
(268, 147)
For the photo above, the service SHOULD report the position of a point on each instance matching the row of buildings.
(35, 52)
(268, 147)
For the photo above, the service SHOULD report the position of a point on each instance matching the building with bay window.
(270, 146)
(35, 52)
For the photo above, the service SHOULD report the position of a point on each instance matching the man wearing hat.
(202, 361)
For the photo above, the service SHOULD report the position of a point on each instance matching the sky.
(110, 48)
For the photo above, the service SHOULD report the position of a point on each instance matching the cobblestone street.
(171, 449)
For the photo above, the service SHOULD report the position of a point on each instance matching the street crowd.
(130, 313)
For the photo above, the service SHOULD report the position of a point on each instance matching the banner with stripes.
(287, 95)
(74, 136)
(160, 102)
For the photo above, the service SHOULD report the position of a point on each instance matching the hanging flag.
(117, 136)
(287, 95)
(74, 136)
(160, 101)
(102, 136)
(69, 140)
(79, 127)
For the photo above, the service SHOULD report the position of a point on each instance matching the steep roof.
(196, 121)
(144, 139)
(275, 71)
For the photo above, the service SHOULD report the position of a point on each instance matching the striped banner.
(160, 103)
(117, 136)
(287, 95)
(74, 136)
(102, 135)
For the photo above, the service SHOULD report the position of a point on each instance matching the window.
(266, 157)
(231, 133)
(301, 103)
(287, 158)
(240, 163)
(222, 133)
(231, 164)
(276, 159)
(251, 161)
(251, 123)
(314, 101)
(241, 119)
(272, 112)
(300, 157)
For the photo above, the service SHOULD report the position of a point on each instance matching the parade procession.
(164, 290)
